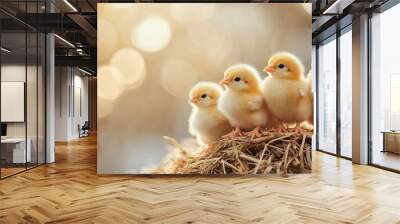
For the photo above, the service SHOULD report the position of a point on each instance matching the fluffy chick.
(310, 95)
(242, 101)
(206, 122)
(286, 90)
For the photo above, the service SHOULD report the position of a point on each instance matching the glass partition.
(14, 153)
(41, 91)
(22, 88)
(32, 95)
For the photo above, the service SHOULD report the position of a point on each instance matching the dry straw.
(273, 152)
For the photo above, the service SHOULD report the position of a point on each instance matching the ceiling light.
(333, 6)
(337, 7)
(5, 50)
(84, 71)
(64, 40)
(70, 5)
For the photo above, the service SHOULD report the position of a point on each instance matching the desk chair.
(84, 130)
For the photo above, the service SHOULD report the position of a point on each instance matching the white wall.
(62, 81)
(71, 94)
(80, 111)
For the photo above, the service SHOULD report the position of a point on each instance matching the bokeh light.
(105, 107)
(109, 83)
(213, 46)
(108, 41)
(131, 65)
(295, 48)
(178, 77)
(123, 19)
(185, 13)
(152, 34)
(121, 5)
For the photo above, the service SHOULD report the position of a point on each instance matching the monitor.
(3, 129)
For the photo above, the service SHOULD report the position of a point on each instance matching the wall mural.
(204, 88)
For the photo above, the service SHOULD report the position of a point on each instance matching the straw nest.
(272, 153)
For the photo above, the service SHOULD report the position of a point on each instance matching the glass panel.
(23, 90)
(13, 89)
(327, 97)
(32, 95)
(32, 88)
(385, 84)
(41, 99)
(346, 94)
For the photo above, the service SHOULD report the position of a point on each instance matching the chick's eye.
(237, 79)
(204, 96)
(281, 66)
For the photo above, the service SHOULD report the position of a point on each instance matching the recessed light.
(64, 40)
(84, 71)
(5, 50)
(70, 5)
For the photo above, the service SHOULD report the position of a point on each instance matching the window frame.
(379, 10)
(334, 37)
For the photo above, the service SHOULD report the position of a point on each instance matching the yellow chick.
(286, 91)
(310, 95)
(206, 122)
(242, 101)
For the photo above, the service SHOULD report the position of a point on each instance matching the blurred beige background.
(150, 55)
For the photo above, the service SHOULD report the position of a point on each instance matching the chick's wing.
(256, 103)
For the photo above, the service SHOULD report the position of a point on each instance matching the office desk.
(13, 150)
(391, 141)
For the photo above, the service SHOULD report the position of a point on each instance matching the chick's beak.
(269, 69)
(224, 82)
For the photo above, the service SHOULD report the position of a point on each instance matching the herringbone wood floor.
(70, 191)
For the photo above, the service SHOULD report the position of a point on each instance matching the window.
(327, 97)
(385, 89)
(346, 94)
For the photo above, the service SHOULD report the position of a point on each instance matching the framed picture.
(211, 89)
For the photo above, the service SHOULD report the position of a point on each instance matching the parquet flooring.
(10, 171)
(70, 191)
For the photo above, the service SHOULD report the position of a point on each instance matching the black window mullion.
(338, 76)
(0, 94)
(316, 127)
(369, 83)
(26, 88)
(37, 90)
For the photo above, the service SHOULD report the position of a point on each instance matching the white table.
(18, 144)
